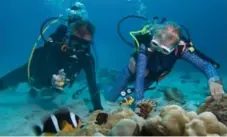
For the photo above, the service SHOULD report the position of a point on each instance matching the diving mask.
(165, 42)
(161, 48)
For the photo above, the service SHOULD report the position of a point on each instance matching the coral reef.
(145, 107)
(217, 107)
(171, 121)
(125, 127)
(174, 121)
(91, 127)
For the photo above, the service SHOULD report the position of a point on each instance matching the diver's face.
(165, 41)
(83, 33)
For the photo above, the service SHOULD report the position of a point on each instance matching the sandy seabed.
(19, 112)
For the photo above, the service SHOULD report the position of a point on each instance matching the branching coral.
(217, 107)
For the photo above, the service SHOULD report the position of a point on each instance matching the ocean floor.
(19, 111)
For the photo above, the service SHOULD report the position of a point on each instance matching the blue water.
(205, 19)
(20, 24)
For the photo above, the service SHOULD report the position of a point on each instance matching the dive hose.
(136, 32)
(119, 28)
(42, 30)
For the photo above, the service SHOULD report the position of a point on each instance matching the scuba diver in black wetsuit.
(58, 62)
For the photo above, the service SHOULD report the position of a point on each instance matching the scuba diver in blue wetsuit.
(159, 46)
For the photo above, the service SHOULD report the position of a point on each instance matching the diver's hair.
(158, 27)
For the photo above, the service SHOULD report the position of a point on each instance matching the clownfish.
(62, 120)
(127, 101)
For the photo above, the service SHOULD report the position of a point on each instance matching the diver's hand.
(216, 90)
(59, 80)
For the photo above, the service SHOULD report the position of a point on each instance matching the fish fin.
(37, 130)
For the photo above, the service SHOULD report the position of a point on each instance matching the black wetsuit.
(45, 62)
(50, 58)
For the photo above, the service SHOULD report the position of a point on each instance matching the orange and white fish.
(62, 120)
(127, 101)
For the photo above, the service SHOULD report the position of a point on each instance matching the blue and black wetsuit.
(157, 64)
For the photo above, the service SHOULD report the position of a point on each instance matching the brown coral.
(172, 121)
(175, 121)
(195, 128)
(145, 107)
(154, 127)
(125, 127)
(217, 107)
(112, 120)
(205, 124)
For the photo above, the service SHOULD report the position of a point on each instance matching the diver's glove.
(216, 88)
(59, 81)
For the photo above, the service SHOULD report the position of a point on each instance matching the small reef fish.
(61, 120)
(127, 101)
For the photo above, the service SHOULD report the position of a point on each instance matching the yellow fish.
(127, 101)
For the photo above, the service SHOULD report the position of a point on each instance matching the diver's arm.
(207, 68)
(140, 72)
